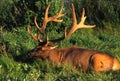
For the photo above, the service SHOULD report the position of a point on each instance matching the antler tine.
(33, 36)
(47, 40)
(81, 24)
(76, 26)
(42, 29)
(74, 22)
(30, 32)
(57, 16)
(36, 24)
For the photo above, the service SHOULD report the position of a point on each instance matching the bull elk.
(75, 56)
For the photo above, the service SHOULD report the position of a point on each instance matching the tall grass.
(18, 43)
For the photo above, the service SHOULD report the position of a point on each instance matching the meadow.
(15, 45)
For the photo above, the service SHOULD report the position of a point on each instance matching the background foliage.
(15, 42)
(18, 12)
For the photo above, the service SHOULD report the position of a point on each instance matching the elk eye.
(38, 49)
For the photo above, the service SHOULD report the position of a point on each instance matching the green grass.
(18, 43)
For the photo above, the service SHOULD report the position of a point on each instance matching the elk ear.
(48, 47)
(53, 47)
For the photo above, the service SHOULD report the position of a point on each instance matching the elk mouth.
(31, 55)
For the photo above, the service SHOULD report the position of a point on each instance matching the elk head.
(43, 50)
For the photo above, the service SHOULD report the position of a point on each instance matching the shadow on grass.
(24, 59)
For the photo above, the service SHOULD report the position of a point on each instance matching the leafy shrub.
(20, 12)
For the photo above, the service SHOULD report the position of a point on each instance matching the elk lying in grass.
(75, 56)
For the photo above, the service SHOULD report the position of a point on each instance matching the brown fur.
(77, 57)
(104, 62)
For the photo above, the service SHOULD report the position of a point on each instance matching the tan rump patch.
(102, 62)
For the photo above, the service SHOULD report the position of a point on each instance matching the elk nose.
(30, 55)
